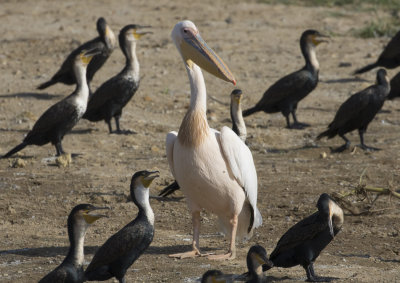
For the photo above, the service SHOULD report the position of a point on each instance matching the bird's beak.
(195, 50)
(87, 55)
(138, 34)
(319, 38)
(330, 224)
(151, 175)
(238, 98)
(91, 216)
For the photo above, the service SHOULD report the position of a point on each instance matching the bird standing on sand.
(113, 95)
(303, 242)
(358, 111)
(389, 58)
(394, 87)
(121, 250)
(238, 126)
(214, 169)
(60, 118)
(104, 43)
(284, 95)
(71, 269)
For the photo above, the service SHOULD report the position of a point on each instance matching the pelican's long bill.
(195, 49)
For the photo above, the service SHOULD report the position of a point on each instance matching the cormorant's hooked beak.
(91, 215)
(149, 177)
(138, 34)
(195, 50)
(87, 55)
(319, 38)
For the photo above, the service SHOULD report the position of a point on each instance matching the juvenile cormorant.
(104, 43)
(109, 99)
(215, 170)
(389, 58)
(394, 87)
(120, 251)
(238, 126)
(358, 111)
(284, 95)
(303, 242)
(71, 270)
(60, 118)
(256, 260)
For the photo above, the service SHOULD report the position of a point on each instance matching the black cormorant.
(256, 260)
(303, 242)
(238, 126)
(119, 252)
(105, 43)
(358, 111)
(71, 270)
(389, 58)
(394, 87)
(284, 95)
(60, 118)
(109, 99)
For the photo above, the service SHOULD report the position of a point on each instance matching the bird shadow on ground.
(41, 96)
(278, 150)
(13, 130)
(345, 80)
(46, 251)
(369, 256)
(83, 131)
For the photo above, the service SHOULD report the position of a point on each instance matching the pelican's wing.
(240, 160)
(171, 138)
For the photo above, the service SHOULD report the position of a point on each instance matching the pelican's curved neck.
(198, 93)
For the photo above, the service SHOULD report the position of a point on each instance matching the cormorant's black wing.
(104, 94)
(392, 49)
(118, 245)
(304, 230)
(285, 87)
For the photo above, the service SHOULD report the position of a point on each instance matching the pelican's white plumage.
(215, 170)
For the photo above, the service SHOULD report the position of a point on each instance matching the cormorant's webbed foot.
(369, 148)
(311, 277)
(341, 148)
(298, 126)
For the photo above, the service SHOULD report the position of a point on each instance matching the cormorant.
(389, 58)
(303, 242)
(284, 95)
(238, 126)
(109, 99)
(105, 43)
(71, 270)
(394, 87)
(120, 251)
(358, 111)
(60, 118)
(256, 260)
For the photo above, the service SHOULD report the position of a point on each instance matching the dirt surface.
(259, 43)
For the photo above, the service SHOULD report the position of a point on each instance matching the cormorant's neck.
(143, 203)
(238, 125)
(76, 234)
(310, 57)
(132, 63)
(82, 87)
(110, 39)
(194, 128)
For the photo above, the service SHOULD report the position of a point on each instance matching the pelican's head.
(194, 49)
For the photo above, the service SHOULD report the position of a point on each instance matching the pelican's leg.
(196, 235)
(232, 249)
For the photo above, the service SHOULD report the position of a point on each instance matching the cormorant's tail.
(250, 111)
(169, 190)
(46, 84)
(366, 68)
(15, 150)
(324, 134)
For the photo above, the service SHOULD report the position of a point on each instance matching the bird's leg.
(343, 147)
(196, 235)
(232, 249)
(59, 148)
(122, 280)
(363, 145)
(119, 131)
(296, 124)
(311, 277)
(109, 126)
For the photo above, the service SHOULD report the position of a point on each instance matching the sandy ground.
(260, 44)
